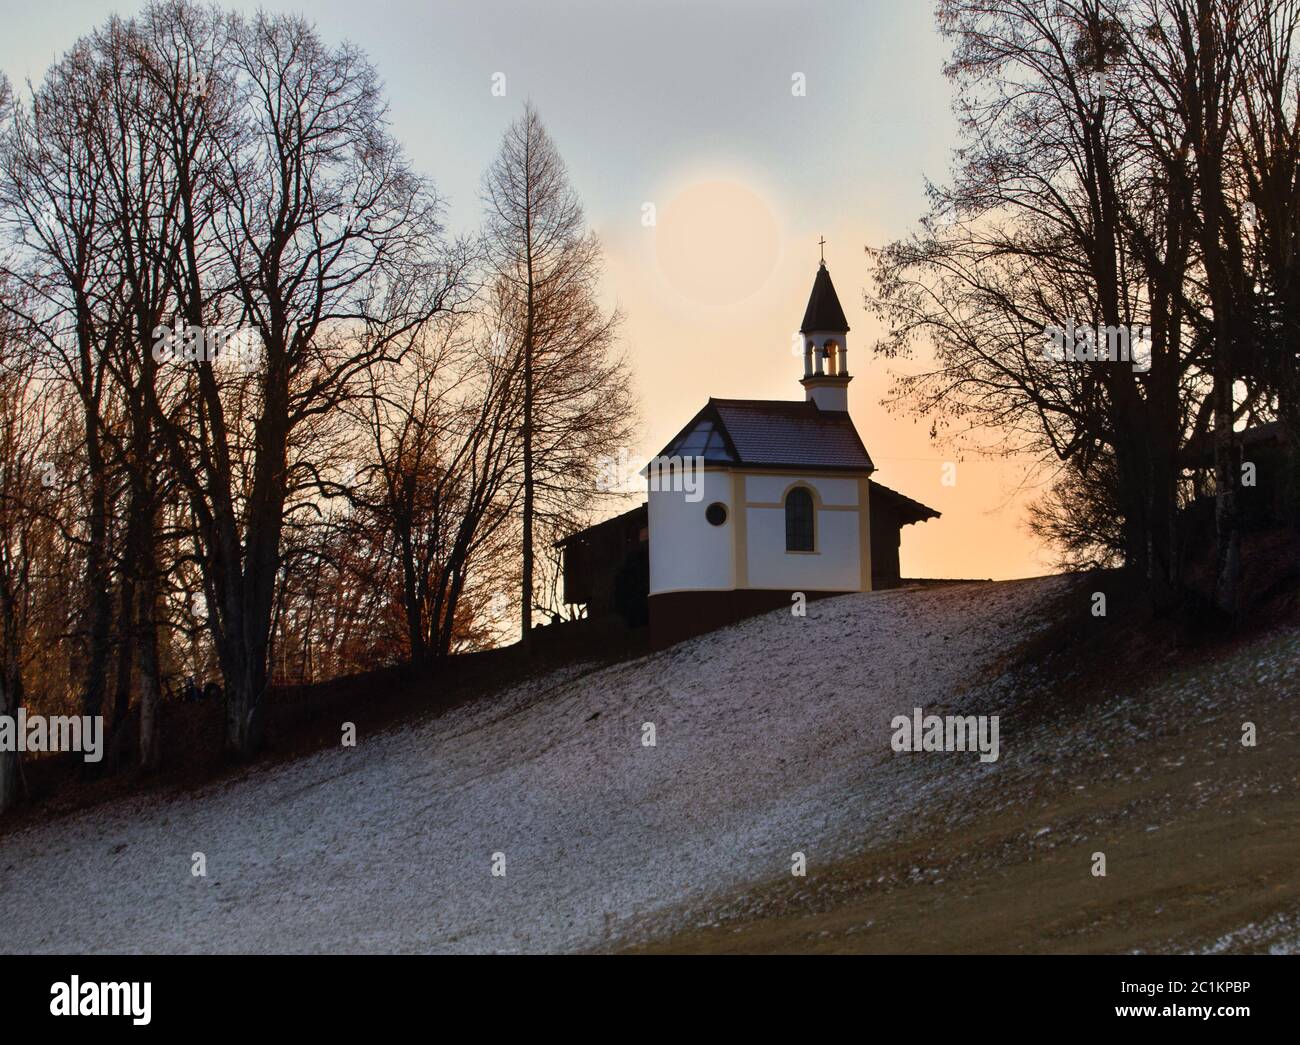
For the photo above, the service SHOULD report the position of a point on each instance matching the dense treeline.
(1129, 165)
(261, 418)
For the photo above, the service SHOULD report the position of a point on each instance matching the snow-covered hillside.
(772, 737)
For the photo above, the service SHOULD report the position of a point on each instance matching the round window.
(716, 513)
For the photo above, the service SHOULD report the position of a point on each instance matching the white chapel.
(789, 503)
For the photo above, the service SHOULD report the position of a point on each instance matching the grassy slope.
(1133, 749)
(299, 721)
(1114, 739)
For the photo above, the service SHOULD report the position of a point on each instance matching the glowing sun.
(717, 242)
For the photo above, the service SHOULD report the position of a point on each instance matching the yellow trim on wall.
(820, 507)
(742, 504)
(759, 473)
(740, 538)
(816, 494)
(864, 532)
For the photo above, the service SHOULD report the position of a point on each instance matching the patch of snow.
(772, 738)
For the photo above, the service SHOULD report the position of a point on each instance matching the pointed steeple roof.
(824, 312)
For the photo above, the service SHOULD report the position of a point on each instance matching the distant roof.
(1199, 451)
(907, 510)
(764, 433)
(823, 311)
(635, 517)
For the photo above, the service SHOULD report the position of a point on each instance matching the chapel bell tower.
(825, 335)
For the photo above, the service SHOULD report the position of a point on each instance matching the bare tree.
(576, 399)
(1098, 181)
(331, 247)
(1216, 100)
(52, 200)
(444, 448)
(221, 279)
(24, 429)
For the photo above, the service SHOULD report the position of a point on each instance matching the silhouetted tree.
(576, 399)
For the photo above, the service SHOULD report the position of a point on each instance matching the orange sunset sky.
(688, 106)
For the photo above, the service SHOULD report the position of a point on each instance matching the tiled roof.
(772, 433)
(823, 311)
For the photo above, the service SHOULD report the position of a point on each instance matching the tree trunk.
(138, 551)
(244, 711)
(150, 695)
(1227, 573)
(8, 759)
(125, 650)
(11, 693)
(526, 580)
(150, 748)
(1164, 559)
(99, 610)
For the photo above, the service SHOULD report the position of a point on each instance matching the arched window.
(799, 520)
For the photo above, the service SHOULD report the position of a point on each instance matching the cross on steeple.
(822, 243)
